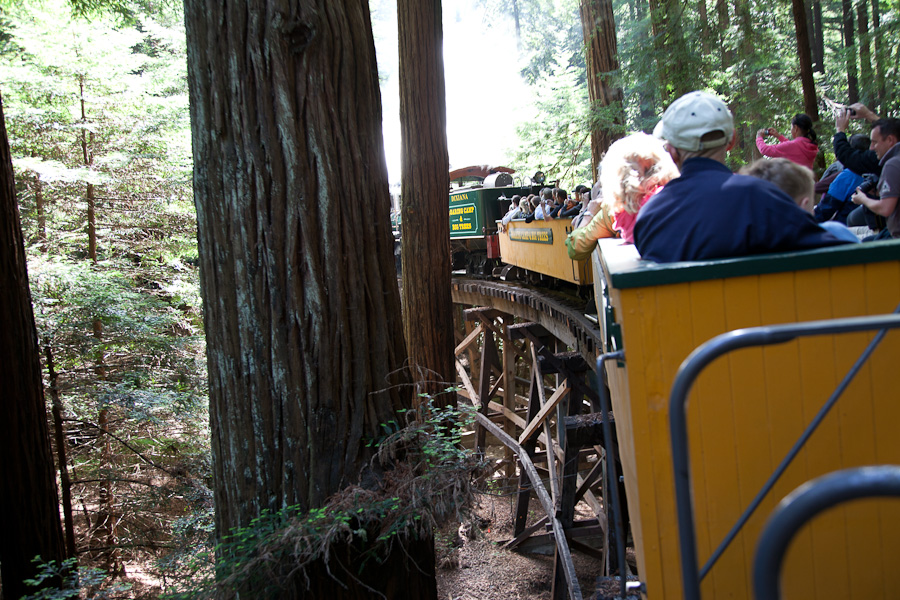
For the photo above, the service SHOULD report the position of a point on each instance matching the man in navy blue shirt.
(709, 212)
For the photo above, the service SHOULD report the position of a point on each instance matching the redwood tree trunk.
(847, 28)
(865, 55)
(819, 53)
(598, 25)
(879, 56)
(424, 200)
(29, 504)
(724, 24)
(810, 105)
(300, 296)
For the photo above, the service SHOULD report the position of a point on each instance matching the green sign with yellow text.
(537, 235)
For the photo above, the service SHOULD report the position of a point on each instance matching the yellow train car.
(748, 408)
(539, 247)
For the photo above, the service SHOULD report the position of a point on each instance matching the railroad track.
(564, 319)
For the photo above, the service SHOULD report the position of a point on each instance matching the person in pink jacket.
(802, 148)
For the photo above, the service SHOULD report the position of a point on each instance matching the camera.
(868, 185)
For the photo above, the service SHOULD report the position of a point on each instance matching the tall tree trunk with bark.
(598, 25)
(810, 104)
(727, 57)
(425, 203)
(302, 308)
(29, 503)
(865, 54)
(849, 51)
(703, 18)
(748, 111)
(819, 53)
(879, 56)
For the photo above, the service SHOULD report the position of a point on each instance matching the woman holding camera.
(802, 148)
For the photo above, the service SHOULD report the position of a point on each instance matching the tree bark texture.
(599, 29)
(810, 105)
(424, 199)
(65, 482)
(819, 53)
(703, 18)
(300, 296)
(879, 55)
(29, 503)
(865, 54)
(850, 54)
(724, 25)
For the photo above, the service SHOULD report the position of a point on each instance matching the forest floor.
(473, 566)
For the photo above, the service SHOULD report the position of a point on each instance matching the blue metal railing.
(691, 368)
(804, 503)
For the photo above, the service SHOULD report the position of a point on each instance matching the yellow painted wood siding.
(548, 259)
(745, 412)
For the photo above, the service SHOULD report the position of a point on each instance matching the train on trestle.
(531, 252)
(750, 396)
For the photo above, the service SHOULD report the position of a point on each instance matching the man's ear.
(806, 203)
(733, 141)
(674, 153)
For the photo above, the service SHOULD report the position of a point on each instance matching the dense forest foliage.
(96, 102)
(96, 111)
(744, 50)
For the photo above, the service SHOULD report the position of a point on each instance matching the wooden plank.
(511, 544)
(547, 407)
(467, 383)
(464, 345)
(542, 496)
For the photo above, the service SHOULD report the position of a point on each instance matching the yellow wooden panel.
(753, 464)
(882, 293)
(778, 304)
(855, 411)
(745, 413)
(823, 451)
(547, 258)
(673, 306)
(621, 392)
(641, 330)
(710, 432)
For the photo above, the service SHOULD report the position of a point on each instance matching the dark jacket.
(858, 161)
(709, 212)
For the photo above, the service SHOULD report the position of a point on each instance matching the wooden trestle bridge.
(549, 422)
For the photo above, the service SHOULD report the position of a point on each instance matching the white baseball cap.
(691, 117)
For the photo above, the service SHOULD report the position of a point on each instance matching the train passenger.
(582, 241)
(708, 211)
(546, 205)
(886, 144)
(862, 161)
(835, 203)
(797, 182)
(515, 211)
(634, 169)
(570, 209)
(535, 202)
(567, 206)
(589, 209)
(802, 148)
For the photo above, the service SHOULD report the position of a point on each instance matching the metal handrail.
(804, 503)
(688, 372)
(612, 478)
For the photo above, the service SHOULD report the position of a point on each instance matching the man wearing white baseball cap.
(709, 212)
